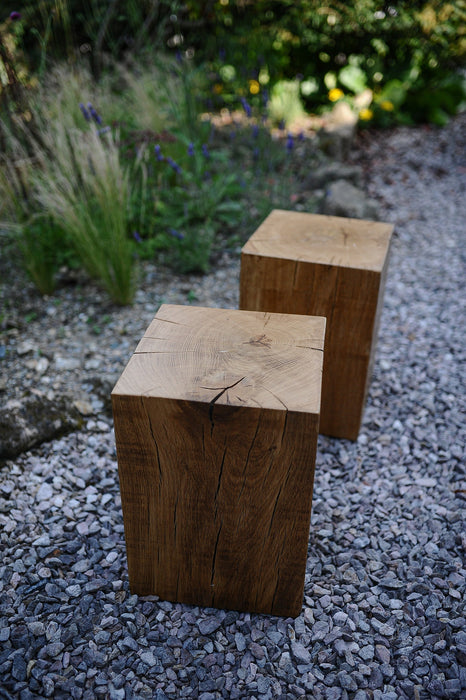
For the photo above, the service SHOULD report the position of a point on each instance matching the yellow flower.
(366, 114)
(254, 87)
(387, 105)
(217, 88)
(335, 94)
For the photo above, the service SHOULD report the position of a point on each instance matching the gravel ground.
(383, 612)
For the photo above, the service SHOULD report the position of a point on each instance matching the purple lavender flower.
(301, 136)
(191, 149)
(255, 131)
(136, 236)
(158, 152)
(15, 16)
(246, 107)
(96, 117)
(205, 151)
(85, 112)
(281, 124)
(173, 165)
(289, 142)
(176, 234)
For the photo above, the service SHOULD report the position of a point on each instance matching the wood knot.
(260, 340)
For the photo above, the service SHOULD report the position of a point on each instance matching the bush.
(348, 46)
(81, 189)
(53, 30)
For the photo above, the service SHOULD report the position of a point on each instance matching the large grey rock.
(33, 419)
(336, 140)
(329, 172)
(337, 135)
(344, 199)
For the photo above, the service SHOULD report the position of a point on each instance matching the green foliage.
(86, 192)
(152, 179)
(360, 45)
(285, 103)
(71, 196)
(78, 192)
(37, 238)
(51, 30)
(195, 198)
(353, 78)
(251, 47)
(39, 241)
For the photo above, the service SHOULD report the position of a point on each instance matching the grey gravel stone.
(367, 652)
(300, 653)
(209, 625)
(19, 668)
(346, 681)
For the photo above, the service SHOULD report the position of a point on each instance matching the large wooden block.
(216, 423)
(328, 266)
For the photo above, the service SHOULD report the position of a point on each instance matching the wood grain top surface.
(328, 240)
(230, 357)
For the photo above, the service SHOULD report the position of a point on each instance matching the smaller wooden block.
(328, 266)
(216, 422)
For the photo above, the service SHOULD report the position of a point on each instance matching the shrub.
(71, 195)
(356, 46)
(86, 192)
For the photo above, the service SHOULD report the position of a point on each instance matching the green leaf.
(438, 116)
(353, 78)
(394, 92)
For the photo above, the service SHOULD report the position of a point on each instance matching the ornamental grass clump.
(22, 222)
(86, 192)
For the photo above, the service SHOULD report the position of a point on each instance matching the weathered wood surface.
(328, 266)
(216, 422)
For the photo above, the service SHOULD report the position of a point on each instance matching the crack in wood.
(166, 320)
(219, 480)
(154, 337)
(247, 458)
(162, 352)
(295, 274)
(155, 441)
(274, 510)
(289, 472)
(277, 397)
(214, 557)
(216, 398)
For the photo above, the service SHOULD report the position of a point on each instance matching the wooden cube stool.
(324, 266)
(216, 423)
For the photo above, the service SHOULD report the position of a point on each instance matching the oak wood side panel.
(226, 500)
(349, 299)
